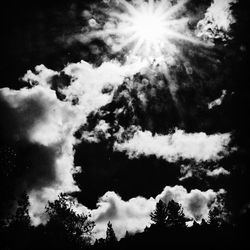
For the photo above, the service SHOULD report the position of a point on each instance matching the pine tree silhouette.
(175, 215)
(110, 234)
(159, 214)
(65, 226)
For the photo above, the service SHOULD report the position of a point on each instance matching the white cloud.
(217, 20)
(172, 147)
(134, 215)
(88, 82)
(218, 101)
(49, 124)
(195, 204)
(46, 122)
(218, 171)
(201, 171)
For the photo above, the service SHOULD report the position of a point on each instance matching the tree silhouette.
(21, 217)
(170, 215)
(127, 235)
(18, 226)
(110, 234)
(215, 218)
(159, 214)
(175, 215)
(65, 225)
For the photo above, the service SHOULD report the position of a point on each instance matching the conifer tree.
(175, 215)
(110, 234)
(159, 214)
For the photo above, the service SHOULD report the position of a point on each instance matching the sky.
(122, 103)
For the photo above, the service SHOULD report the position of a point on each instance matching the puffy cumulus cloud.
(179, 145)
(195, 204)
(40, 116)
(134, 215)
(93, 85)
(217, 21)
(43, 125)
(90, 86)
(36, 118)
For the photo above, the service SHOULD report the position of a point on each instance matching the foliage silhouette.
(17, 229)
(175, 215)
(66, 225)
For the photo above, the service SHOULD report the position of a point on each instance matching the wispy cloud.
(178, 145)
(218, 171)
(218, 101)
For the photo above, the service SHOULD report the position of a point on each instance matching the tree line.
(66, 229)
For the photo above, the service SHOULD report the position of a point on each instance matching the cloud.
(218, 101)
(179, 145)
(217, 21)
(134, 215)
(44, 125)
(195, 204)
(100, 132)
(217, 172)
(201, 171)
(44, 130)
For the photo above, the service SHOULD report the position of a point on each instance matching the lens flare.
(149, 28)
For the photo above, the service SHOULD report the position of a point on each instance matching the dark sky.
(31, 35)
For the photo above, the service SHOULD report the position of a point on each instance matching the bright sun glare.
(149, 28)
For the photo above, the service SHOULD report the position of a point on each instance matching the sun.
(149, 28)
(146, 29)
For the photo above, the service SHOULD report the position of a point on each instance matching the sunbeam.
(149, 29)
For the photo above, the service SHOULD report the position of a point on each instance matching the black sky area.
(35, 32)
(32, 33)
